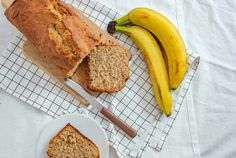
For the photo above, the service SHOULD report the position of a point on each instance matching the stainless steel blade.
(91, 99)
(105, 111)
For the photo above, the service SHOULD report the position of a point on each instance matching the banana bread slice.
(69, 142)
(108, 68)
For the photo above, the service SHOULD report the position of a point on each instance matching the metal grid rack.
(135, 104)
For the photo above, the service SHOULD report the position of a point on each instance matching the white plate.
(87, 126)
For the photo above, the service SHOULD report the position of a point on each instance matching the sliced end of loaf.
(69, 142)
(108, 68)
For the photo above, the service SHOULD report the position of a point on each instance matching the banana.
(167, 34)
(156, 65)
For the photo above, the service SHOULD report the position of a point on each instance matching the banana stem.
(124, 20)
(122, 29)
(111, 28)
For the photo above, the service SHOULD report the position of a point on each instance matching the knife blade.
(101, 108)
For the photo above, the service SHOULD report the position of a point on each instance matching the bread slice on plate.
(69, 142)
(108, 68)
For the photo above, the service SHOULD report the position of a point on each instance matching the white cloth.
(210, 31)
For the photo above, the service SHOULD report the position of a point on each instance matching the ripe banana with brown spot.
(167, 34)
(156, 64)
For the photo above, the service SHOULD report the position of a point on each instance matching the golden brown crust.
(106, 41)
(107, 90)
(54, 139)
(54, 29)
(62, 33)
(106, 38)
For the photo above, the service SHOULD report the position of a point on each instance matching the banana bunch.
(166, 72)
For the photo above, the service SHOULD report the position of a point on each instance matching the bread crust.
(107, 90)
(106, 41)
(54, 29)
(46, 23)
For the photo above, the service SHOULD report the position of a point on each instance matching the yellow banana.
(167, 34)
(155, 61)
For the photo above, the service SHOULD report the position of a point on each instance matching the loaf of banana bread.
(66, 37)
(55, 30)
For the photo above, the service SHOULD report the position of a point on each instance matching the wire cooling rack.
(135, 104)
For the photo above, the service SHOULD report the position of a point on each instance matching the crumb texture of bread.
(108, 68)
(70, 143)
(56, 30)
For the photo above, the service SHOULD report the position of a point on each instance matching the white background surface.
(205, 126)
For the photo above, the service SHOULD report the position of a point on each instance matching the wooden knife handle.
(118, 122)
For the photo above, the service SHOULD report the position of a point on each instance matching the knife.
(101, 108)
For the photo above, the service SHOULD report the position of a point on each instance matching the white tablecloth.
(205, 126)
